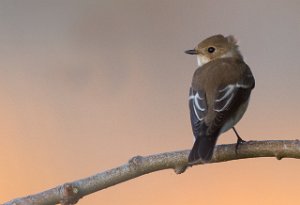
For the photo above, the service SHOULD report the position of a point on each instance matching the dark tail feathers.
(203, 149)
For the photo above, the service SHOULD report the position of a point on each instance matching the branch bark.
(70, 193)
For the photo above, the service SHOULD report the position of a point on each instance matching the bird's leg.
(239, 140)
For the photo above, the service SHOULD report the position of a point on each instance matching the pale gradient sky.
(86, 85)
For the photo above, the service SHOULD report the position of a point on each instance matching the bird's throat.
(201, 60)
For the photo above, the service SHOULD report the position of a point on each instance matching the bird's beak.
(191, 52)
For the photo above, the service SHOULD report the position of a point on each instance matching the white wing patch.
(228, 89)
(196, 99)
(225, 99)
(226, 104)
(242, 85)
(226, 94)
(199, 118)
(196, 105)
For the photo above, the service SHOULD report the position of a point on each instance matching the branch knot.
(136, 162)
(70, 194)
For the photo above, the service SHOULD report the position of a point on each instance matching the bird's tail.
(203, 149)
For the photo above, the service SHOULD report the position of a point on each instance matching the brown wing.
(219, 97)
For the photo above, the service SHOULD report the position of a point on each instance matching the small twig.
(70, 193)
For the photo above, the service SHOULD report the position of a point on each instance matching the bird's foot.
(239, 140)
(238, 143)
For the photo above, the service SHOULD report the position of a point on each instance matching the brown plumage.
(219, 93)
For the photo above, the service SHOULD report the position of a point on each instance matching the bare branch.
(70, 193)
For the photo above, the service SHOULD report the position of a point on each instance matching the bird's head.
(215, 47)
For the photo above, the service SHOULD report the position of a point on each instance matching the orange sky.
(86, 85)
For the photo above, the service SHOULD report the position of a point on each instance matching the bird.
(219, 94)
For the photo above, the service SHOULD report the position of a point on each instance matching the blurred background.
(86, 85)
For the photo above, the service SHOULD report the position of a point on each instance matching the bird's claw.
(238, 143)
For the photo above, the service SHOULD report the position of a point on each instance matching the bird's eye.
(211, 49)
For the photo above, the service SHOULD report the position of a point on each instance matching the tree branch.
(70, 193)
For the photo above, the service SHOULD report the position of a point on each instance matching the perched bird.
(219, 93)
